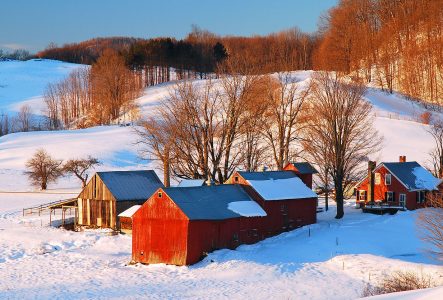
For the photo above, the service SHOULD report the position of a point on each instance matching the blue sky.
(33, 24)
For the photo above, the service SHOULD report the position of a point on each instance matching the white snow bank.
(424, 179)
(130, 211)
(428, 294)
(247, 209)
(282, 189)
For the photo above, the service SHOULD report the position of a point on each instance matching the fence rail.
(42, 207)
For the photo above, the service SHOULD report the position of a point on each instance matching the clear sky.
(33, 24)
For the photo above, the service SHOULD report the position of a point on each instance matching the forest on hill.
(394, 45)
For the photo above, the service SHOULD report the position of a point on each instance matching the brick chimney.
(402, 159)
(371, 167)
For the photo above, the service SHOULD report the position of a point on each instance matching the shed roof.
(278, 185)
(304, 168)
(131, 185)
(191, 182)
(412, 175)
(130, 211)
(213, 202)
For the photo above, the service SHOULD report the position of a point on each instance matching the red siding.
(396, 186)
(306, 178)
(159, 232)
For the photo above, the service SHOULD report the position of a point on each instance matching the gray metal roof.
(267, 175)
(131, 185)
(208, 202)
(304, 168)
(411, 174)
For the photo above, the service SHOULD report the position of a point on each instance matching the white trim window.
(388, 179)
(402, 200)
(390, 196)
(421, 196)
(362, 195)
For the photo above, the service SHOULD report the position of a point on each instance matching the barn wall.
(159, 232)
(396, 186)
(206, 236)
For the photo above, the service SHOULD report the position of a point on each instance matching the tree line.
(396, 45)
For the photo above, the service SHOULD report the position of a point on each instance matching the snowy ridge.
(282, 189)
(247, 208)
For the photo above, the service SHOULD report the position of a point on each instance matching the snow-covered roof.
(131, 185)
(412, 175)
(247, 208)
(191, 182)
(282, 189)
(211, 202)
(130, 211)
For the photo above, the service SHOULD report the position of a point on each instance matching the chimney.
(402, 159)
(209, 181)
(371, 167)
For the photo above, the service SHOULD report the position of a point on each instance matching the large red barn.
(179, 226)
(289, 203)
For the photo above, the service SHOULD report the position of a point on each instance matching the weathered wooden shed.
(304, 170)
(288, 202)
(107, 194)
(179, 226)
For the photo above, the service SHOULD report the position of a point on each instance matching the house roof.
(304, 167)
(412, 175)
(130, 211)
(131, 185)
(278, 185)
(217, 202)
(191, 182)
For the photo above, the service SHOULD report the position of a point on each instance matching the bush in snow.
(398, 282)
(42, 169)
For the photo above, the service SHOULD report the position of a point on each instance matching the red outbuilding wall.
(306, 178)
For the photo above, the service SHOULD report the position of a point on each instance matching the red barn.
(180, 226)
(402, 183)
(304, 170)
(286, 199)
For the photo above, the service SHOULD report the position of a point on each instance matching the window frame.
(392, 196)
(388, 175)
(360, 193)
(399, 199)
(377, 178)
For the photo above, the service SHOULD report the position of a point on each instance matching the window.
(390, 196)
(420, 196)
(377, 178)
(160, 194)
(388, 179)
(362, 195)
(236, 179)
(402, 200)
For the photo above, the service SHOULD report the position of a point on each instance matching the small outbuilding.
(126, 219)
(304, 171)
(181, 225)
(107, 194)
(288, 202)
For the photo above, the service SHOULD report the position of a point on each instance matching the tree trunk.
(44, 185)
(326, 200)
(339, 198)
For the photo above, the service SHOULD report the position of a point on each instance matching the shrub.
(399, 281)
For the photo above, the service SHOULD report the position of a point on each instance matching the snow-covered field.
(335, 262)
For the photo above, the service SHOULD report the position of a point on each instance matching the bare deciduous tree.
(42, 169)
(24, 118)
(339, 130)
(430, 223)
(78, 167)
(281, 121)
(436, 130)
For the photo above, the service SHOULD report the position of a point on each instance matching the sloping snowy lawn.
(334, 262)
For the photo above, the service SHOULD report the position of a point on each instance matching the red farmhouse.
(402, 183)
(304, 170)
(181, 225)
(288, 202)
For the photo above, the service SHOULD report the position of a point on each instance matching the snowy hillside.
(333, 259)
(24, 82)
